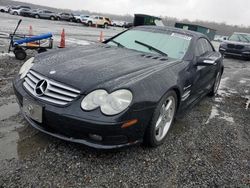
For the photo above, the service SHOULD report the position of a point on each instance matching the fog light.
(95, 137)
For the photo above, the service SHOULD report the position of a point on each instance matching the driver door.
(203, 75)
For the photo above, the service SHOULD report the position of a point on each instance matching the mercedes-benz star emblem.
(41, 87)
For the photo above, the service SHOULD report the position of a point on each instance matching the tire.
(2, 10)
(89, 23)
(52, 18)
(20, 54)
(70, 20)
(37, 16)
(78, 20)
(15, 13)
(58, 18)
(216, 84)
(162, 120)
(105, 25)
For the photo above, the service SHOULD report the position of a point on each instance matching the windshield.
(173, 44)
(240, 37)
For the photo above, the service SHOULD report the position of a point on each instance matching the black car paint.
(100, 66)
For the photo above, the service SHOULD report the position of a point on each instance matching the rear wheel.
(70, 20)
(52, 18)
(105, 25)
(15, 13)
(20, 54)
(78, 20)
(37, 16)
(216, 85)
(162, 120)
(2, 10)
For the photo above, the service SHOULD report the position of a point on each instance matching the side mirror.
(224, 38)
(205, 61)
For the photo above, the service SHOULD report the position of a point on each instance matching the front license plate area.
(33, 110)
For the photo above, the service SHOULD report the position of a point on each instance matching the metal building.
(207, 31)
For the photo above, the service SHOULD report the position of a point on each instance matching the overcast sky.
(229, 11)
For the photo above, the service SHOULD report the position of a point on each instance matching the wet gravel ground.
(208, 147)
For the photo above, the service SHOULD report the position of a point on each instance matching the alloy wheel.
(165, 118)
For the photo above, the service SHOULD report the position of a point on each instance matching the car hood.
(236, 43)
(98, 66)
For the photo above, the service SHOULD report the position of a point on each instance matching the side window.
(101, 18)
(202, 47)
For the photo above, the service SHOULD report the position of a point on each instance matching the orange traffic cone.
(62, 42)
(30, 31)
(101, 39)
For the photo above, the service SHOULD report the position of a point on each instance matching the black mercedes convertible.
(124, 91)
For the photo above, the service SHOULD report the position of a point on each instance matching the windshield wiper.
(117, 43)
(151, 48)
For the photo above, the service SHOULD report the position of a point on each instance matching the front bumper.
(66, 124)
(235, 52)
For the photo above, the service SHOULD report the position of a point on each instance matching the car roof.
(172, 29)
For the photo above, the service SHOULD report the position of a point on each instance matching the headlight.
(110, 104)
(94, 100)
(26, 67)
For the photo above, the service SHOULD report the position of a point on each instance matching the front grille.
(230, 45)
(55, 92)
(238, 47)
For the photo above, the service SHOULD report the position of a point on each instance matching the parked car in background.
(83, 17)
(66, 17)
(109, 20)
(237, 45)
(117, 23)
(99, 21)
(128, 25)
(156, 73)
(16, 10)
(33, 12)
(77, 18)
(4, 9)
(25, 12)
(46, 14)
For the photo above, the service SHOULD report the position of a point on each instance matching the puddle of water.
(6, 111)
(18, 141)
(8, 145)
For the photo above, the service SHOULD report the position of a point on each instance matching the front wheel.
(52, 18)
(89, 23)
(216, 85)
(162, 120)
(37, 16)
